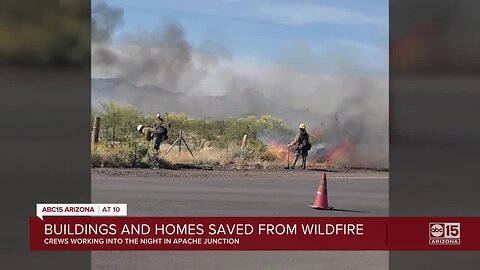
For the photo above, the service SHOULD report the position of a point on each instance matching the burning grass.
(273, 156)
(344, 154)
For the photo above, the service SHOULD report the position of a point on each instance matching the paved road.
(223, 260)
(236, 195)
(257, 195)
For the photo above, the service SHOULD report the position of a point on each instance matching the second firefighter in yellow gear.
(302, 144)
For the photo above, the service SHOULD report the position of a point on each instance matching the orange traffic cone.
(321, 199)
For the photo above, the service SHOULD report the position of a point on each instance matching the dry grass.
(207, 155)
(141, 155)
(233, 156)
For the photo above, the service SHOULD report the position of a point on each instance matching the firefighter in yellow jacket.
(302, 144)
(158, 133)
(146, 131)
(155, 134)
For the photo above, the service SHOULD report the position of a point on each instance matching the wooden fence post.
(96, 129)
(244, 141)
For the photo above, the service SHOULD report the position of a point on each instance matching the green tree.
(119, 124)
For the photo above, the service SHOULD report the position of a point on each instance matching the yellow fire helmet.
(302, 126)
(139, 128)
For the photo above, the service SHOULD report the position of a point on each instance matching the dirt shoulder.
(222, 173)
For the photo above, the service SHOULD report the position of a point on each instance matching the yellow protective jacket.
(147, 133)
(301, 138)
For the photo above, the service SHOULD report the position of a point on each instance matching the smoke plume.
(105, 19)
(357, 132)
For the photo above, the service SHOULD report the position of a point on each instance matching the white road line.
(359, 177)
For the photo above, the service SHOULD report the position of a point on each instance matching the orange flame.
(280, 151)
(344, 150)
(339, 152)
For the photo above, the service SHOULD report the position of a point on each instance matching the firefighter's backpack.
(149, 136)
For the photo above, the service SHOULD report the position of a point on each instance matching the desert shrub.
(95, 159)
(137, 154)
(257, 147)
(220, 133)
(118, 128)
(244, 153)
(114, 160)
(267, 156)
(118, 124)
(151, 160)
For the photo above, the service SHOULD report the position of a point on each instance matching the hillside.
(151, 99)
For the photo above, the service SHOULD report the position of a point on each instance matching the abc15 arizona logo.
(442, 233)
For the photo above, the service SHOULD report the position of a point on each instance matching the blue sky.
(302, 33)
